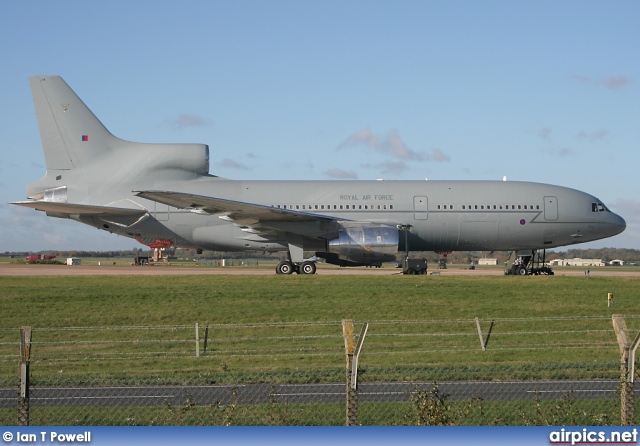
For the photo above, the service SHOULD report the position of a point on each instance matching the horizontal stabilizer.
(117, 216)
(79, 209)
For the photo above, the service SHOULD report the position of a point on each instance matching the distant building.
(577, 262)
(488, 262)
(74, 261)
(616, 263)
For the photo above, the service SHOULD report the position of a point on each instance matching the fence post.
(627, 369)
(25, 358)
(483, 342)
(197, 341)
(352, 394)
(352, 350)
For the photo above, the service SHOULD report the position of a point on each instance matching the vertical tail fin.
(78, 149)
(71, 134)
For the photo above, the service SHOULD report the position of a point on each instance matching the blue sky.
(542, 91)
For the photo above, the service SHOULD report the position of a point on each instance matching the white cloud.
(439, 156)
(228, 163)
(592, 136)
(615, 82)
(391, 144)
(607, 82)
(186, 120)
(545, 133)
(341, 174)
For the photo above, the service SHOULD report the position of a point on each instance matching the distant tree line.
(606, 254)
(77, 253)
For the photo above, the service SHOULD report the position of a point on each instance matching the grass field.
(129, 325)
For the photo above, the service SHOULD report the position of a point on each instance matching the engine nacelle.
(360, 243)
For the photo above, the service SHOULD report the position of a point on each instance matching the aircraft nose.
(618, 224)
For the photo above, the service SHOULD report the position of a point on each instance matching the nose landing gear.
(524, 263)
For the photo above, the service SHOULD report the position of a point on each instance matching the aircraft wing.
(239, 212)
(115, 215)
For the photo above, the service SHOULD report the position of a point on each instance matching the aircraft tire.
(522, 271)
(284, 267)
(308, 268)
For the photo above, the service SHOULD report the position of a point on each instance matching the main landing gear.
(296, 263)
(287, 267)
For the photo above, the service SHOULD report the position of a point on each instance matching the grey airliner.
(163, 196)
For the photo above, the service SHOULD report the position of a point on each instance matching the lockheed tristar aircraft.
(163, 195)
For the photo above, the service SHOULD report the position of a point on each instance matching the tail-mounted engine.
(360, 243)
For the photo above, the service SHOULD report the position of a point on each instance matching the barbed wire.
(315, 324)
(227, 346)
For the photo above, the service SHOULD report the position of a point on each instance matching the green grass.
(86, 325)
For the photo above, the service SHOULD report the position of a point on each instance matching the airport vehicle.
(40, 257)
(163, 195)
(414, 266)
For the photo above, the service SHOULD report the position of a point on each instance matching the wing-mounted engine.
(362, 243)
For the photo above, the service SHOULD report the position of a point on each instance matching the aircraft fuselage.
(443, 215)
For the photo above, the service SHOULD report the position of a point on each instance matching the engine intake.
(362, 244)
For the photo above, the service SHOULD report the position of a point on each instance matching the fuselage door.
(550, 208)
(420, 208)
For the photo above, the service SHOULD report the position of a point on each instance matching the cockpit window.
(599, 207)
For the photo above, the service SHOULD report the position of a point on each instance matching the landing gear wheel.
(522, 271)
(308, 268)
(284, 267)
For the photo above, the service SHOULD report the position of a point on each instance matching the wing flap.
(239, 212)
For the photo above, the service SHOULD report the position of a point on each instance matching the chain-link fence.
(465, 396)
(295, 374)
